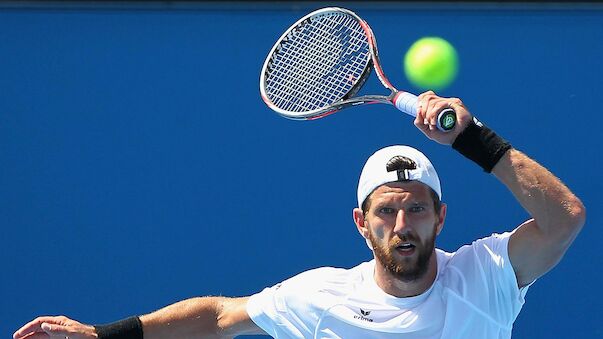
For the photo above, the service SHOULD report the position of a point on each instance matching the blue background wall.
(139, 166)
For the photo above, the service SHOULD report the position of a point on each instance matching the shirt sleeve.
(263, 308)
(494, 279)
(288, 309)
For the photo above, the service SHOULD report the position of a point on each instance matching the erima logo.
(364, 316)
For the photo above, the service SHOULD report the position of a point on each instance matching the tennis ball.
(431, 63)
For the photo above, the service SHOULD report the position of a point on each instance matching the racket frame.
(348, 99)
(403, 101)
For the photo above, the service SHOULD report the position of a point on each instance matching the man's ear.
(442, 217)
(358, 216)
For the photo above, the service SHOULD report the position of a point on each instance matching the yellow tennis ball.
(431, 63)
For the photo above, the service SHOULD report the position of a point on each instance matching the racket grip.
(407, 103)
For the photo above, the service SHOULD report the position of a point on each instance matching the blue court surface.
(139, 165)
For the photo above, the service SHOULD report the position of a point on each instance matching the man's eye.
(386, 210)
(416, 209)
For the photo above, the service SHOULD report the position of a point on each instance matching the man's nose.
(401, 222)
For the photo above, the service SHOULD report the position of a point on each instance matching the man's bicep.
(234, 319)
(533, 253)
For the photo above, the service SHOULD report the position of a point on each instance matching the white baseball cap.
(375, 174)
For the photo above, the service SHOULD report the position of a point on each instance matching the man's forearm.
(191, 318)
(556, 210)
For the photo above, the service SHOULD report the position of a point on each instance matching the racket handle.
(407, 103)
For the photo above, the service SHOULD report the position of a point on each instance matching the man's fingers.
(420, 124)
(425, 103)
(431, 115)
(56, 329)
(419, 117)
(36, 326)
(37, 335)
(431, 106)
(426, 95)
(31, 327)
(48, 328)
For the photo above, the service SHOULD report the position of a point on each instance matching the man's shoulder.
(470, 261)
(317, 288)
(328, 275)
(493, 242)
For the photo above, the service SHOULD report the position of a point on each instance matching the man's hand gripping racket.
(321, 62)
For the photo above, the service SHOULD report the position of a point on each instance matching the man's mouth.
(406, 248)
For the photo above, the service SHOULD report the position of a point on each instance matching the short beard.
(405, 271)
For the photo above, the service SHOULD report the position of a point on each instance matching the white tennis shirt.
(475, 295)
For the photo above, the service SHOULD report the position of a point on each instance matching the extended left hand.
(50, 327)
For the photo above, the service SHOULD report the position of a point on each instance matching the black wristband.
(481, 145)
(129, 328)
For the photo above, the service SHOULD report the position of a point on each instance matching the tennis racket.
(320, 63)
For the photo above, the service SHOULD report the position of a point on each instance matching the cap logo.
(402, 165)
(403, 175)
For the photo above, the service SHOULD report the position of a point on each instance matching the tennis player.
(410, 289)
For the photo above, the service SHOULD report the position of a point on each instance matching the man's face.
(402, 224)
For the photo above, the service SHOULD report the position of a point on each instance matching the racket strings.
(321, 43)
(318, 63)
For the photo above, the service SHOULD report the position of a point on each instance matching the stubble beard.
(405, 269)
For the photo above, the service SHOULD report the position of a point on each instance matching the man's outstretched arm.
(207, 317)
